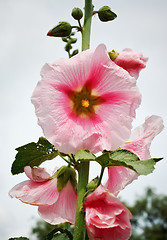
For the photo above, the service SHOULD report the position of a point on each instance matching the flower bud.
(65, 174)
(113, 54)
(105, 14)
(93, 184)
(77, 13)
(63, 29)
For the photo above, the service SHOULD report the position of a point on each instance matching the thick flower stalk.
(138, 143)
(86, 102)
(106, 217)
(41, 190)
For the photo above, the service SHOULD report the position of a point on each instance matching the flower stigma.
(85, 103)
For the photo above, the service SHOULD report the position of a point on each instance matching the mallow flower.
(86, 102)
(138, 143)
(41, 190)
(131, 61)
(106, 217)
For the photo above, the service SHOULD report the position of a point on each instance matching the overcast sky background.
(141, 26)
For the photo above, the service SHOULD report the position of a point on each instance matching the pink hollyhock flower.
(139, 143)
(131, 61)
(86, 102)
(106, 217)
(41, 190)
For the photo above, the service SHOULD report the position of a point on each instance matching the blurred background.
(25, 48)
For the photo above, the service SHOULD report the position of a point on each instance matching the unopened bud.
(113, 54)
(105, 14)
(63, 29)
(93, 184)
(65, 174)
(77, 13)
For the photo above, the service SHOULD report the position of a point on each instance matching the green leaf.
(84, 155)
(125, 158)
(59, 233)
(60, 236)
(33, 154)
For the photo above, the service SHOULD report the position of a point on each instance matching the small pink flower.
(106, 217)
(41, 190)
(139, 143)
(86, 102)
(131, 61)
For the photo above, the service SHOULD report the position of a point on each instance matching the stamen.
(85, 103)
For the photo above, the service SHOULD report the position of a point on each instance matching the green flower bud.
(63, 29)
(75, 52)
(68, 47)
(93, 184)
(105, 14)
(77, 13)
(113, 54)
(65, 174)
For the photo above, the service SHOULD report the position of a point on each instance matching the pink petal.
(63, 210)
(36, 174)
(106, 217)
(69, 133)
(36, 193)
(142, 136)
(131, 61)
(139, 143)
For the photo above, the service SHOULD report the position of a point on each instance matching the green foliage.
(33, 154)
(84, 155)
(120, 157)
(19, 238)
(123, 157)
(44, 231)
(149, 220)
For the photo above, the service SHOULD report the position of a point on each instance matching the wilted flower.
(139, 143)
(106, 217)
(41, 190)
(86, 102)
(131, 61)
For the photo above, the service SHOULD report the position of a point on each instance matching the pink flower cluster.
(89, 102)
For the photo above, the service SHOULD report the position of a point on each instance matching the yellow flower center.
(85, 103)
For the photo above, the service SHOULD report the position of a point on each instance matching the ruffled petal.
(63, 210)
(131, 61)
(36, 174)
(36, 193)
(139, 143)
(106, 217)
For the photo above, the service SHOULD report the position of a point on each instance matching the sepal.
(65, 174)
(113, 54)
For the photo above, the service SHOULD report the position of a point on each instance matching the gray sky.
(141, 26)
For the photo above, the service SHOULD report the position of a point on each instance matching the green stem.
(101, 176)
(83, 174)
(83, 167)
(87, 25)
